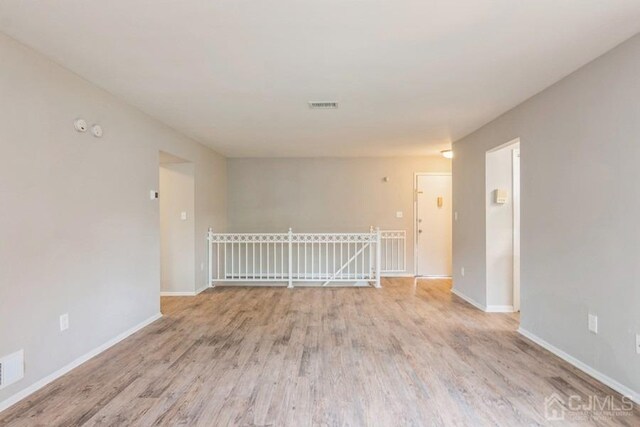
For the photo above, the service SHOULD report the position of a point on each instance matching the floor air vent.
(323, 105)
(11, 368)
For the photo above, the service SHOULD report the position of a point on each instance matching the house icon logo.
(554, 408)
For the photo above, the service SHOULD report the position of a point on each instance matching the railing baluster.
(374, 253)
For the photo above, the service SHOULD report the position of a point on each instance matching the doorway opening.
(503, 227)
(177, 226)
(432, 224)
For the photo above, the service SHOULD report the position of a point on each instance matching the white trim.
(177, 294)
(515, 158)
(183, 294)
(74, 364)
(604, 379)
(471, 301)
(434, 277)
(499, 309)
(415, 214)
(397, 275)
(485, 308)
(514, 141)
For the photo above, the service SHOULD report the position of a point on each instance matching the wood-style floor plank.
(409, 354)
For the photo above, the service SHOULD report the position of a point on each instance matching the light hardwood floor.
(408, 354)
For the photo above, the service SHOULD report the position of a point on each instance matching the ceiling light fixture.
(447, 154)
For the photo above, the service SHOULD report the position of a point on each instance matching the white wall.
(177, 249)
(326, 194)
(580, 151)
(78, 231)
(499, 226)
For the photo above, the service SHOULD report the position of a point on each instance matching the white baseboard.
(77, 362)
(485, 308)
(468, 299)
(499, 309)
(182, 294)
(397, 275)
(604, 379)
(202, 289)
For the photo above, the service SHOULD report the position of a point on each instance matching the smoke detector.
(323, 105)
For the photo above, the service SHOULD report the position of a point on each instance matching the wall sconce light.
(447, 154)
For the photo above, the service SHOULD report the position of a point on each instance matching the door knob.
(419, 231)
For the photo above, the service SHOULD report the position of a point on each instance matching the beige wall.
(325, 194)
(580, 239)
(78, 231)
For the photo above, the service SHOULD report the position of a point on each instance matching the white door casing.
(516, 229)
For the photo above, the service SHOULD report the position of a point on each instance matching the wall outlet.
(593, 323)
(638, 343)
(455, 216)
(64, 322)
(462, 271)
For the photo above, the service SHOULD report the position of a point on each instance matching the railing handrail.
(306, 256)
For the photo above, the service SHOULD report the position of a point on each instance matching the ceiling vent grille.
(323, 105)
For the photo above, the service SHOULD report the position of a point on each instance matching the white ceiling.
(410, 76)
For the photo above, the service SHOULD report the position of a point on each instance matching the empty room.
(320, 213)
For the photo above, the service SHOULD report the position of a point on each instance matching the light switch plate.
(399, 214)
(593, 323)
(64, 322)
(183, 216)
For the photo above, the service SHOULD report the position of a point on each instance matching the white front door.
(433, 225)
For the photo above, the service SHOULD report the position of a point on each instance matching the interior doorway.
(177, 226)
(433, 225)
(503, 227)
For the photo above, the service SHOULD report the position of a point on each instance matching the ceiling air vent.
(323, 105)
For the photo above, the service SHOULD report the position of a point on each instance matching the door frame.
(516, 238)
(515, 165)
(415, 217)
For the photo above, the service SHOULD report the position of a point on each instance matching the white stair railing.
(393, 251)
(304, 257)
